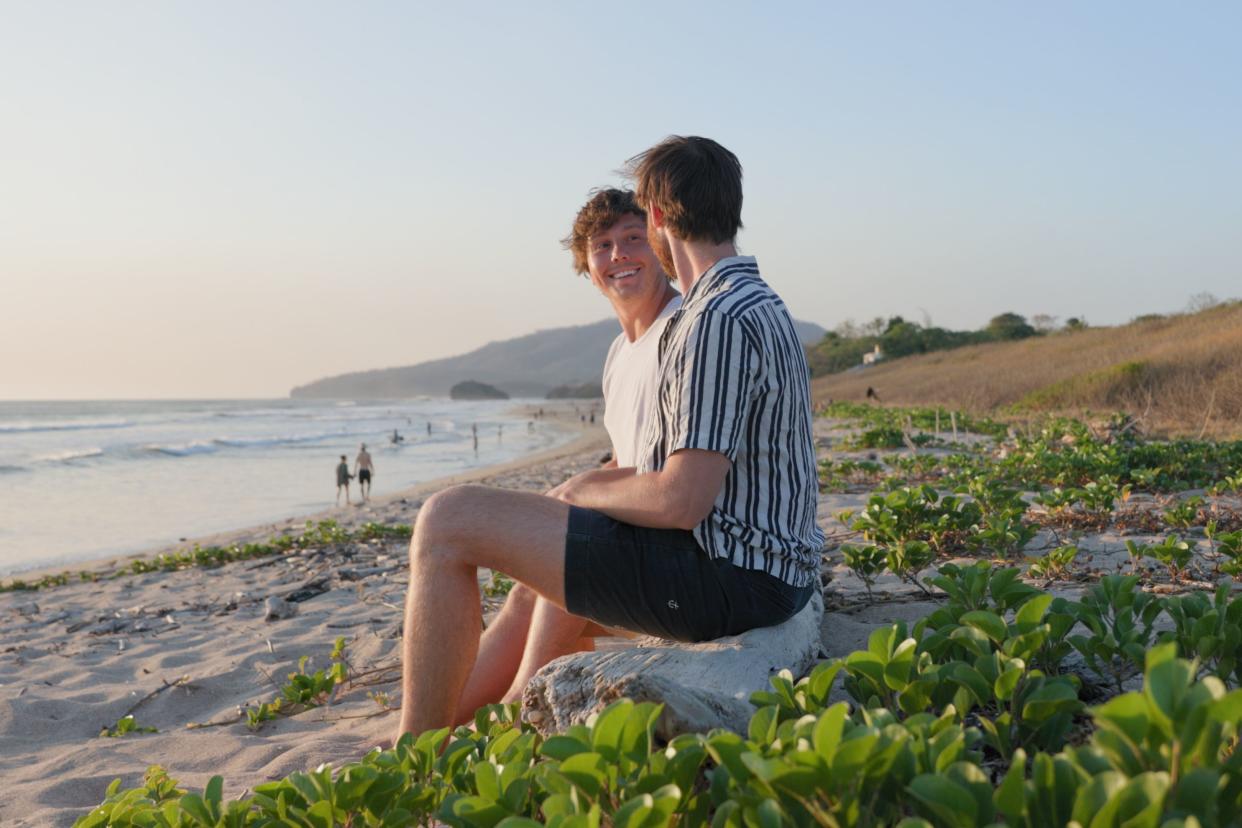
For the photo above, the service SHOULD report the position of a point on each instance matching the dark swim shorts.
(364, 476)
(659, 582)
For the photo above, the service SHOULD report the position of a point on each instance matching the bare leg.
(500, 653)
(553, 633)
(459, 530)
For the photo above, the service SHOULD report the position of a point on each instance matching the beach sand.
(184, 651)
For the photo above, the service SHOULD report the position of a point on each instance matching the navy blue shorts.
(659, 582)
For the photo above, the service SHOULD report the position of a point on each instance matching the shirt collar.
(712, 275)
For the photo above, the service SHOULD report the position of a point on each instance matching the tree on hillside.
(1008, 326)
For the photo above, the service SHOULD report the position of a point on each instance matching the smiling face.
(622, 265)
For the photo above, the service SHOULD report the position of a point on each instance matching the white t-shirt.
(631, 375)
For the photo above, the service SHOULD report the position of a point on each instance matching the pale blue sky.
(231, 198)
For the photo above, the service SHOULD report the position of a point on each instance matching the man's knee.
(444, 523)
(521, 598)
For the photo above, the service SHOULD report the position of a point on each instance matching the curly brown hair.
(603, 209)
(696, 184)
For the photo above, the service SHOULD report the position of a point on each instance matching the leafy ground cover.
(968, 719)
(994, 498)
(1009, 703)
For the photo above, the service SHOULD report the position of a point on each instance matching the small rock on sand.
(277, 608)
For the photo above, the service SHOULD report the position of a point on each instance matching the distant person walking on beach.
(713, 533)
(342, 480)
(363, 468)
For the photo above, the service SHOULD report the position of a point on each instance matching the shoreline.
(387, 508)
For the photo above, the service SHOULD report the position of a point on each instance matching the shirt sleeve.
(711, 382)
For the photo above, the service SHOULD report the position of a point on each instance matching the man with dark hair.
(713, 533)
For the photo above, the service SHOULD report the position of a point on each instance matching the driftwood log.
(702, 686)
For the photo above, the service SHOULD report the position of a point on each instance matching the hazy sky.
(231, 198)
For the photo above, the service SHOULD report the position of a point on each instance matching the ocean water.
(84, 480)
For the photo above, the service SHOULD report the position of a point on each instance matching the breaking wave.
(69, 455)
(28, 428)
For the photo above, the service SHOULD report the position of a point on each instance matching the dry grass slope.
(1182, 373)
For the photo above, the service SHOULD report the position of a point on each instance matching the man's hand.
(679, 496)
(567, 492)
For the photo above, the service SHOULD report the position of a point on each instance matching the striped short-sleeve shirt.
(734, 380)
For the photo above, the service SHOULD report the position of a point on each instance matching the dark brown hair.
(696, 184)
(603, 209)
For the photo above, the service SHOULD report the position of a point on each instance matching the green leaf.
(973, 639)
(973, 681)
(606, 731)
(821, 679)
(633, 812)
(635, 741)
(917, 696)
(726, 749)
(1138, 804)
(1166, 682)
(762, 728)
(487, 781)
(475, 810)
(563, 747)
(1160, 654)
(1007, 681)
(769, 814)
(867, 664)
(991, 624)
(853, 752)
(1032, 612)
(214, 792)
(828, 729)
(194, 805)
(1197, 792)
(949, 802)
(897, 670)
(1054, 697)
(880, 642)
(1128, 713)
(1010, 796)
(1095, 794)
(587, 771)
(1228, 708)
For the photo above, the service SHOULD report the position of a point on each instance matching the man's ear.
(657, 216)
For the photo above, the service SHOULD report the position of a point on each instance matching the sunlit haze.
(229, 199)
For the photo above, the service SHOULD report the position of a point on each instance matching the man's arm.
(603, 474)
(679, 496)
